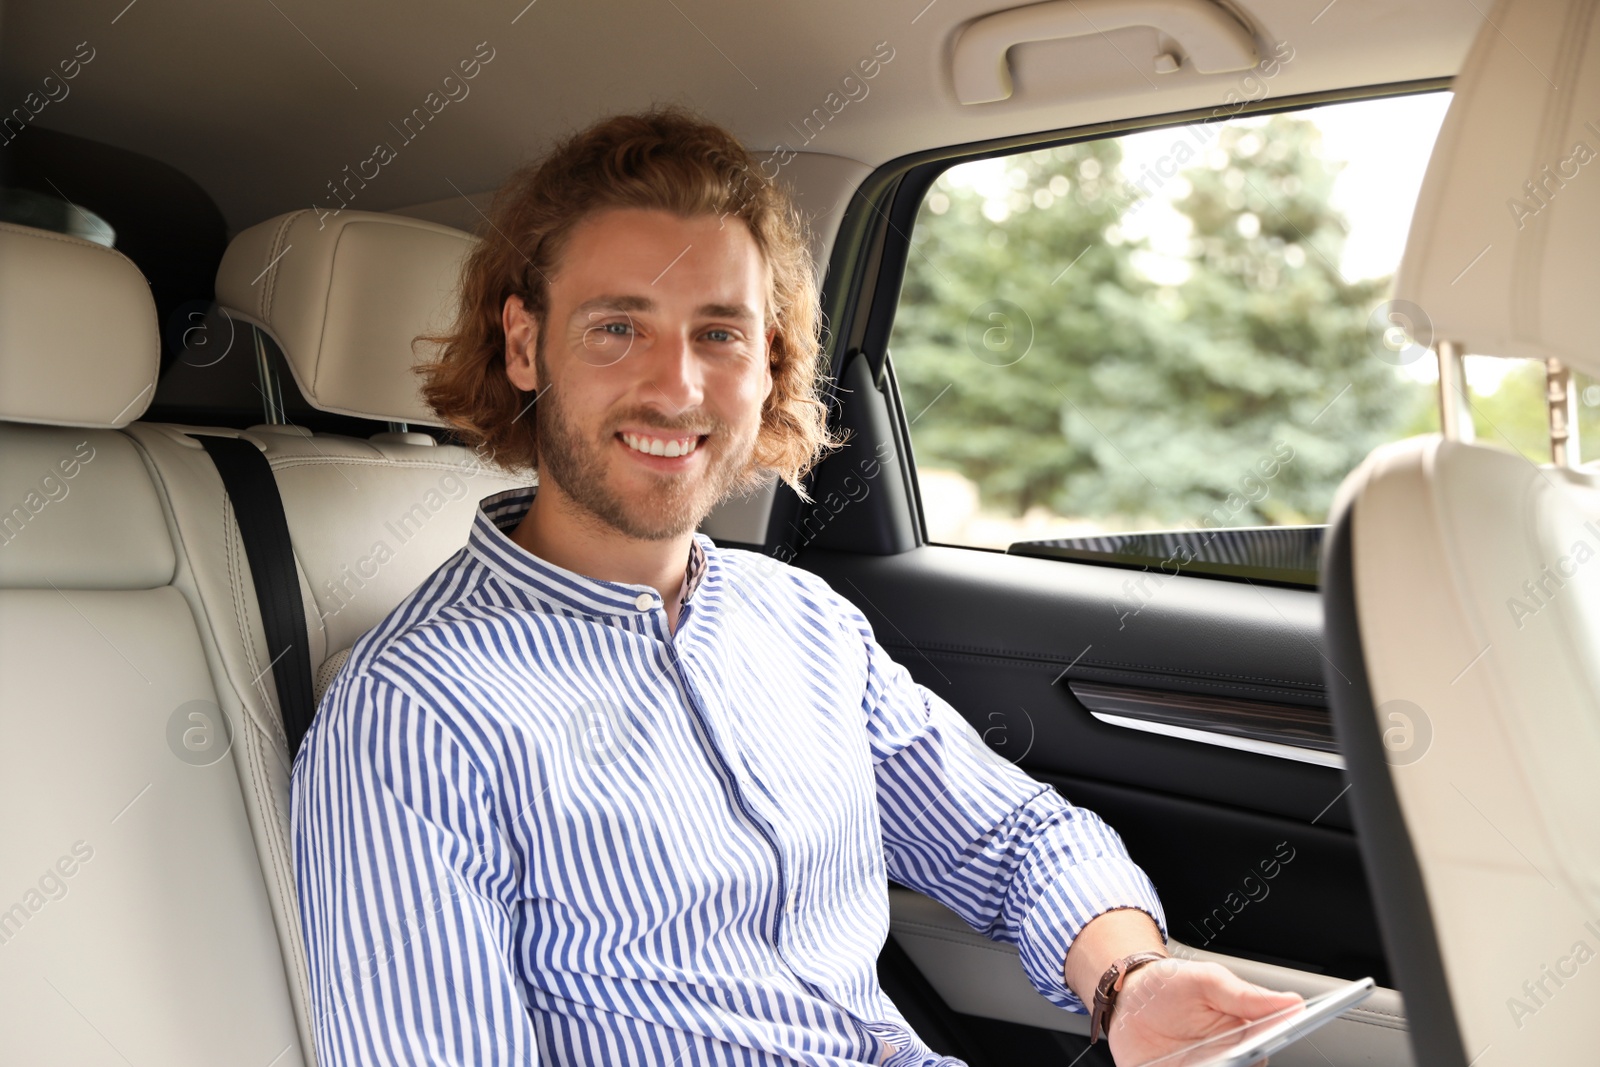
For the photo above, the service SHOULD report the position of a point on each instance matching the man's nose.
(674, 370)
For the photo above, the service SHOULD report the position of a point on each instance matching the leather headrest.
(79, 340)
(345, 296)
(1502, 255)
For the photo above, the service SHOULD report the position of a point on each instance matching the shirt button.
(644, 602)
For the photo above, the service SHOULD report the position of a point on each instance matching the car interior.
(1357, 740)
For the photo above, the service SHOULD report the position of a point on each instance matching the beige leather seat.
(154, 915)
(1462, 586)
(135, 921)
(369, 519)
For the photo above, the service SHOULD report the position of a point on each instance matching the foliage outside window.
(1065, 377)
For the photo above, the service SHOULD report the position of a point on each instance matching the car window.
(1183, 329)
(1510, 409)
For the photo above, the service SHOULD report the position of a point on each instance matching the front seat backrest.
(1462, 585)
(134, 921)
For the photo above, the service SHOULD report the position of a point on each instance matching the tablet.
(1252, 1042)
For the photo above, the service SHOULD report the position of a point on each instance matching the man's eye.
(618, 329)
(726, 335)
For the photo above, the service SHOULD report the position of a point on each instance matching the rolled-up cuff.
(1075, 896)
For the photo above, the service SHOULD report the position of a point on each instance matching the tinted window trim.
(1278, 555)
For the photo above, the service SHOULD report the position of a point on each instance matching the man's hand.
(1173, 1004)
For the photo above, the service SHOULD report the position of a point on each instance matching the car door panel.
(998, 635)
(1253, 854)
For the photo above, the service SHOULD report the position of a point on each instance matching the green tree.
(1002, 319)
(1137, 399)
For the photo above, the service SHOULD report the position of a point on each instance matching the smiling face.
(652, 369)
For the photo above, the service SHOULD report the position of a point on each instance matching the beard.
(671, 505)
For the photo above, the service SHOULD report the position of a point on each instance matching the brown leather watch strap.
(1105, 993)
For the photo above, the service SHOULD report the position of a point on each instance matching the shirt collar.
(490, 540)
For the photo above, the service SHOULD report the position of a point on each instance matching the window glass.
(1180, 329)
(1510, 409)
(1588, 389)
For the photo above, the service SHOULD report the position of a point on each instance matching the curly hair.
(666, 159)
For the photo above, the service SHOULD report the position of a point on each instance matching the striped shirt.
(533, 825)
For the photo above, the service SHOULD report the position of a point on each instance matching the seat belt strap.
(258, 508)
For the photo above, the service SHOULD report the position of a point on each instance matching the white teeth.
(655, 446)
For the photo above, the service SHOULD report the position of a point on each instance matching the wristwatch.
(1105, 993)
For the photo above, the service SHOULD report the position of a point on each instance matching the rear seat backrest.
(345, 299)
(369, 520)
(135, 923)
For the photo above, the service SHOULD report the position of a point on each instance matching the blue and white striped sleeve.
(404, 877)
(1007, 853)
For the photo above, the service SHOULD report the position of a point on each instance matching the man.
(602, 792)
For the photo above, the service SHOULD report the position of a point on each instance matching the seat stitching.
(271, 280)
(241, 618)
(231, 550)
(284, 462)
(64, 239)
(282, 860)
(273, 834)
(271, 841)
(272, 271)
(272, 813)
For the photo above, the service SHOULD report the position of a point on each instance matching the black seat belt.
(258, 507)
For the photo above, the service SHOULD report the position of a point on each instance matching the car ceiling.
(263, 102)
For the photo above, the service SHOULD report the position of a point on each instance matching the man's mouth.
(668, 447)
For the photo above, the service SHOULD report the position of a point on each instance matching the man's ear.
(772, 335)
(521, 328)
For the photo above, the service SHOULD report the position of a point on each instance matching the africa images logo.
(1540, 591)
